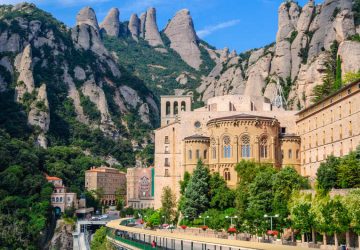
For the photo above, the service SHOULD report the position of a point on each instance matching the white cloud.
(211, 29)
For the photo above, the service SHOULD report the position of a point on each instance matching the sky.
(236, 24)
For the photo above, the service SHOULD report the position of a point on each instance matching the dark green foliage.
(197, 192)
(355, 37)
(326, 174)
(89, 108)
(356, 11)
(168, 205)
(338, 78)
(336, 12)
(292, 36)
(348, 175)
(221, 196)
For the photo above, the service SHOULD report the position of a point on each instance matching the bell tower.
(172, 105)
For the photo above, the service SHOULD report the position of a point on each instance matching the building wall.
(64, 200)
(139, 187)
(170, 144)
(290, 152)
(108, 179)
(330, 127)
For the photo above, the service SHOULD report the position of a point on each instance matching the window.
(213, 152)
(245, 146)
(283, 130)
(297, 153)
(341, 149)
(167, 149)
(61, 199)
(167, 140)
(263, 147)
(282, 154)
(190, 154)
(57, 199)
(340, 132)
(324, 137)
(167, 164)
(167, 173)
(183, 106)
(290, 154)
(227, 175)
(176, 108)
(350, 128)
(197, 124)
(167, 108)
(197, 154)
(205, 154)
(227, 147)
(339, 111)
(349, 108)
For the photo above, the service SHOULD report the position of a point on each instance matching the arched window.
(61, 199)
(227, 175)
(190, 154)
(213, 152)
(264, 147)
(245, 146)
(205, 154)
(227, 147)
(57, 199)
(167, 108)
(183, 106)
(290, 154)
(176, 108)
(197, 154)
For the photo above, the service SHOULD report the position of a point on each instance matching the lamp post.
(271, 219)
(231, 218)
(206, 217)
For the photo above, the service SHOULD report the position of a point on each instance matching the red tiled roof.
(52, 178)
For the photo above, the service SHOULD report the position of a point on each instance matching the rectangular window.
(227, 151)
(197, 154)
(350, 128)
(297, 154)
(245, 151)
(263, 151)
(290, 154)
(167, 140)
(190, 154)
(167, 173)
(167, 149)
(167, 164)
(213, 152)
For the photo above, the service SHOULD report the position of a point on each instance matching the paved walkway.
(210, 243)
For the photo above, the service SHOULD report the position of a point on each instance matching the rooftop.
(241, 117)
(192, 137)
(52, 178)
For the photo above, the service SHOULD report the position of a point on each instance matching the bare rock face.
(144, 113)
(310, 75)
(87, 16)
(255, 55)
(9, 42)
(349, 52)
(39, 115)
(151, 32)
(134, 26)
(256, 76)
(142, 25)
(334, 21)
(24, 64)
(111, 23)
(130, 96)
(88, 38)
(182, 36)
(62, 238)
(79, 73)
(6, 64)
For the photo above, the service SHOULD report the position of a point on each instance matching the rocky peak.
(87, 16)
(142, 24)
(134, 26)
(111, 23)
(182, 36)
(152, 35)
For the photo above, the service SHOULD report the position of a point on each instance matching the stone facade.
(216, 133)
(109, 180)
(140, 187)
(60, 198)
(330, 127)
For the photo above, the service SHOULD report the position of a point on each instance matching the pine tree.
(197, 192)
(168, 204)
(338, 80)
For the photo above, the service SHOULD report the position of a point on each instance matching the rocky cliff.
(308, 39)
(64, 77)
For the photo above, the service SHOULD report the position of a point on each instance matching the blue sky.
(236, 24)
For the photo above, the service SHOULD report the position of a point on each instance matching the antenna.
(279, 100)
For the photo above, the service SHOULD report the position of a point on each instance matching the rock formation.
(182, 36)
(25, 81)
(87, 16)
(111, 23)
(151, 31)
(134, 26)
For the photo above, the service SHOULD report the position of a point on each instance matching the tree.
(168, 204)
(120, 196)
(153, 220)
(338, 79)
(351, 202)
(351, 77)
(301, 215)
(221, 197)
(348, 175)
(99, 241)
(184, 182)
(197, 192)
(286, 181)
(327, 173)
